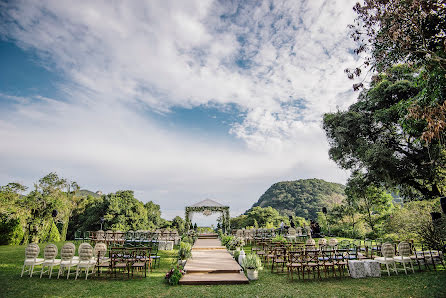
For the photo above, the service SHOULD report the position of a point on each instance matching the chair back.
(100, 235)
(85, 251)
(333, 242)
(32, 251)
(310, 242)
(292, 232)
(404, 249)
(388, 250)
(100, 250)
(322, 242)
(67, 251)
(50, 252)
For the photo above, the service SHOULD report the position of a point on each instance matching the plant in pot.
(252, 264)
(184, 253)
(238, 243)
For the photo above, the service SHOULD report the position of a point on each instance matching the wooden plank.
(214, 279)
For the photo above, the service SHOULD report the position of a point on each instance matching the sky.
(177, 100)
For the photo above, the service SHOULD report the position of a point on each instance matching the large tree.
(412, 32)
(377, 137)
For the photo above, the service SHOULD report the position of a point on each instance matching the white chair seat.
(383, 260)
(37, 261)
(84, 263)
(51, 262)
(72, 262)
(402, 259)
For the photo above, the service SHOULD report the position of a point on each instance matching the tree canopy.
(377, 137)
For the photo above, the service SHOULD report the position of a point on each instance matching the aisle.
(212, 264)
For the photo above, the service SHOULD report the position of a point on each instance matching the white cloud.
(123, 56)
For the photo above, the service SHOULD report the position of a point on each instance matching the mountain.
(85, 192)
(304, 197)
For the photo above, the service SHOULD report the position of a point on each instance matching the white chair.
(49, 254)
(31, 258)
(333, 242)
(86, 259)
(388, 254)
(322, 242)
(404, 255)
(68, 259)
(291, 234)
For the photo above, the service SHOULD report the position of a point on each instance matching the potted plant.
(184, 253)
(252, 264)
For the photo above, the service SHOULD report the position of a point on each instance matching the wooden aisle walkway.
(211, 264)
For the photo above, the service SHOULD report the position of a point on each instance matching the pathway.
(211, 264)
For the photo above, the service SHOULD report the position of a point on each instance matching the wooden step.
(214, 279)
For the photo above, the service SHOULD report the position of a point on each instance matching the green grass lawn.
(420, 284)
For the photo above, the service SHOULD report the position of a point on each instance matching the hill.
(304, 197)
(85, 192)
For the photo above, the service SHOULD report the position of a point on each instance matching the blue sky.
(177, 100)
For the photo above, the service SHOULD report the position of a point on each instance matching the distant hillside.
(85, 192)
(303, 197)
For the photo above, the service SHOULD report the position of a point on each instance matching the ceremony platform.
(211, 264)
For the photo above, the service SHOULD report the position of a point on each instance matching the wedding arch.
(209, 207)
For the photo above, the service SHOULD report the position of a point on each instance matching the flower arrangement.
(174, 275)
(226, 240)
(252, 261)
(185, 251)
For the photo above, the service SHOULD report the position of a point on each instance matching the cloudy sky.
(176, 100)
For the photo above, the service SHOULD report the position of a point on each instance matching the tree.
(179, 224)
(407, 31)
(377, 137)
(153, 213)
(370, 200)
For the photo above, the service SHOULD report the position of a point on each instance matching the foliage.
(433, 233)
(400, 31)
(179, 224)
(11, 231)
(279, 238)
(406, 221)
(303, 198)
(188, 239)
(236, 254)
(236, 242)
(252, 261)
(53, 233)
(226, 240)
(376, 137)
(174, 275)
(372, 202)
(185, 251)
(259, 215)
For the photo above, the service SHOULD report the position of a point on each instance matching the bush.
(252, 261)
(11, 230)
(188, 239)
(433, 233)
(236, 254)
(174, 275)
(279, 238)
(185, 251)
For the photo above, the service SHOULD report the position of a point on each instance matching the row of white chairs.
(87, 259)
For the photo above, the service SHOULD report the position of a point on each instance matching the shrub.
(236, 254)
(185, 251)
(252, 261)
(279, 238)
(11, 231)
(174, 275)
(433, 233)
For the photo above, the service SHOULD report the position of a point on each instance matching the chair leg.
(51, 271)
(23, 269)
(77, 273)
(388, 271)
(41, 271)
(411, 266)
(58, 274)
(32, 270)
(68, 274)
(86, 273)
(404, 265)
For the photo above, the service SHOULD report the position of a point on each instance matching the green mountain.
(304, 197)
(85, 192)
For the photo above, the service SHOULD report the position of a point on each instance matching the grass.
(420, 284)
